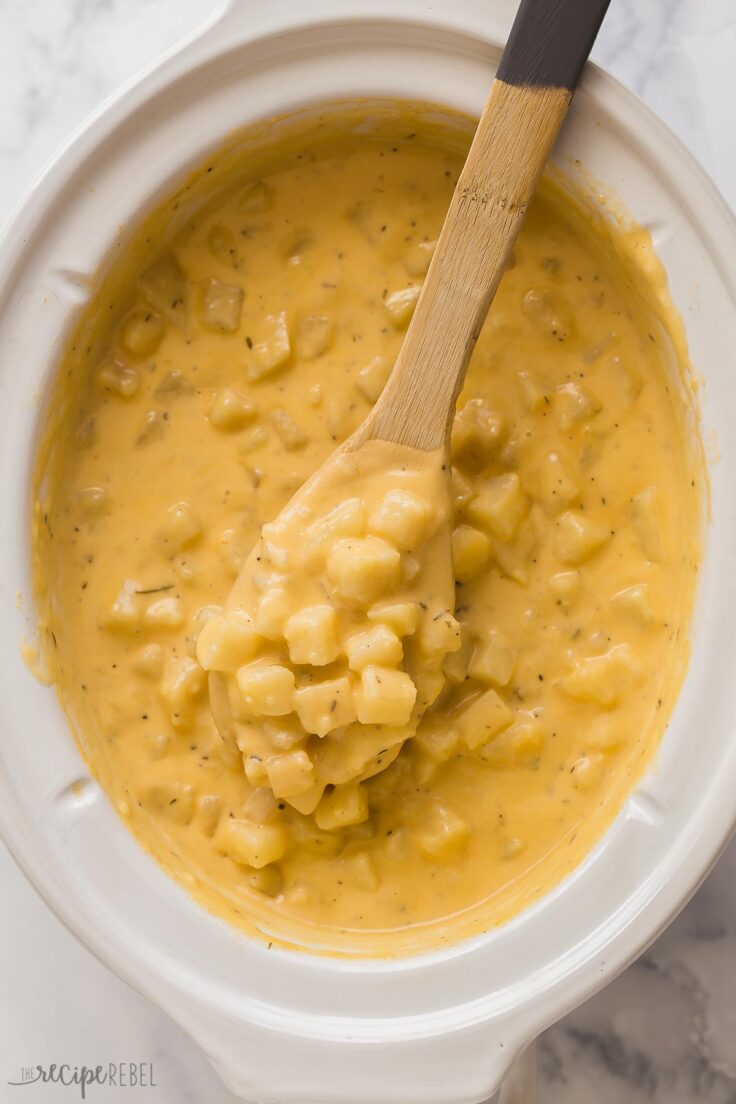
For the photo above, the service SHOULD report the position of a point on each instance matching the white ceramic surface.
(465, 84)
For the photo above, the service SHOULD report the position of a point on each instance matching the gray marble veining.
(662, 1033)
(665, 1030)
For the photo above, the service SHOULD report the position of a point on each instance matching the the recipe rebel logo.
(120, 1075)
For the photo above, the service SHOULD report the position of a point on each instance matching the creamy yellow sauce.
(227, 353)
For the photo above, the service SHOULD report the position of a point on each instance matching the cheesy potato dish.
(402, 755)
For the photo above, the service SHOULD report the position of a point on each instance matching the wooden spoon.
(544, 57)
(549, 43)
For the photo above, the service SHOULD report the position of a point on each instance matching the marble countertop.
(663, 1032)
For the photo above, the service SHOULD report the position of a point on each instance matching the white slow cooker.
(283, 1026)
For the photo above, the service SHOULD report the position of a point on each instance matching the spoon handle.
(541, 65)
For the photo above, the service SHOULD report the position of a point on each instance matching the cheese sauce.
(216, 367)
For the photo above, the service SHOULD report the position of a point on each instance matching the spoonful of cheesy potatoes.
(332, 643)
(338, 632)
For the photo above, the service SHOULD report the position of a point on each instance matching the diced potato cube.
(262, 806)
(154, 427)
(159, 744)
(363, 569)
(635, 599)
(314, 336)
(512, 847)
(283, 733)
(141, 334)
(586, 771)
(362, 869)
(311, 635)
(181, 529)
(256, 198)
(574, 405)
(227, 642)
(268, 880)
(477, 433)
(345, 520)
(251, 844)
(201, 616)
(85, 433)
(232, 549)
(403, 519)
(439, 633)
(483, 719)
(305, 803)
(221, 306)
(373, 378)
(549, 313)
(437, 738)
(425, 768)
(517, 746)
(163, 286)
(628, 376)
(533, 392)
(604, 679)
(254, 439)
(272, 611)
(606, 733)
(182, 685)
(209, 811)
(174, 799)
(343, 417)
(462, 490)
(410, 567)
(646, 514)
(266, 689)
(379, 646)
(222, 244)
(174, 385)
(578, 537)
(255, 770)
(556, 488)
(117, 379)
(92, 501)
(444, 835)
(385, 696)
(599, 348)
(430, 683)
(164, 613)
(564, 586)
(289, 432)
(125, 612)
(471, 551)
(401, 617)
(345, 805)
(515, 557)
(276, 543)
(291, 773)
(400, 306)
(363, 217)
(231, 410)
(493, 660)
(499, 506)
(149, 661)
(266, 357)
(455, 664)
(324, 706)
(418, 257)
